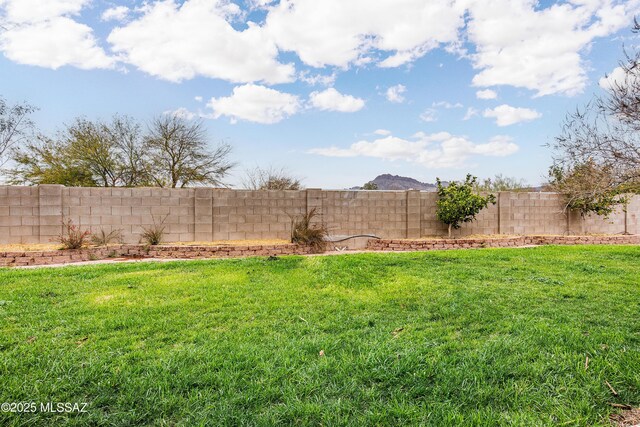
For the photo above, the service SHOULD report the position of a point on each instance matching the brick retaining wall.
(14, 259)
(515, 241)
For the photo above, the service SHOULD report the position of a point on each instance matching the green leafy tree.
(85, 153)
(45, 161)
(589, 187)
(502, 183)
(459, 202)
(370, 186)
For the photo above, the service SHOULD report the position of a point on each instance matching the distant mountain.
(396, 182)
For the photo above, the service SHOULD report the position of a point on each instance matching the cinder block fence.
(35, 214)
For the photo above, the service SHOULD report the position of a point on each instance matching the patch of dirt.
(30, 247)
(626, 418)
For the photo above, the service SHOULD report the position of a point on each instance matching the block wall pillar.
(413, 214)
(203, 214)
(50, 211)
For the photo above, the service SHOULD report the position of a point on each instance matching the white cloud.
(439, 150)
(429, 115)
(486, 94)
(318, 79)
(341, 33)
(471, 112)
(518, 43)
(197, 98)
(182, 113)
(116, 13)
(26, 11)
(255, 103)
(506, 115)
(44, 34)
(54, 43)
(616, 78)
(383, 132)
(332, 100)
(178, 42)
(446, 104)
(395, 93)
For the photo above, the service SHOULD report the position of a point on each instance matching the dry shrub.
(154, 234)
(304, 232)
(102, 238)
(72, 236)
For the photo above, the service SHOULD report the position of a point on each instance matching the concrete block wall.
(487, 221)
(383, 213)
(35, 214)
(129, 210)
(19, 214)
(535, 213)
(250, 215)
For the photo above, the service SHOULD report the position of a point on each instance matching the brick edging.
(435, 244)
(10, 259)
(26, 258)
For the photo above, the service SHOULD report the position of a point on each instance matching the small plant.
(458, 202)
(102, 238)
(154, 234)
(71, 236)
(306, 233)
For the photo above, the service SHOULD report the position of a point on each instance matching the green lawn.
(479, 337)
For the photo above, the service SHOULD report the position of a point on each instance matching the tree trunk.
(449, 230)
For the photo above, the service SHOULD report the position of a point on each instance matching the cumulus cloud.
(395, 94)
(195, 38)
(182, 113)
(438, 150)
(517, 43)
(25, 11)
(617, 77)
(486, 94)
(429, 115)
(341, 33)
(45, 34)
(332, 100)
(255, 103)
(506, 115)
(116, 13)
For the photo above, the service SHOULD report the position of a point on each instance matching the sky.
(334, 91)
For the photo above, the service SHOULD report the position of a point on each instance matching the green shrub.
(458, 202)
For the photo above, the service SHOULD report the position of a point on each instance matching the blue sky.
(336, 91)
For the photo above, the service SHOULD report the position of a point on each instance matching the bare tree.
(270, 179)
(16, 126)
(125, 134)
(606, 131)
(179, 154)
(597, 154)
